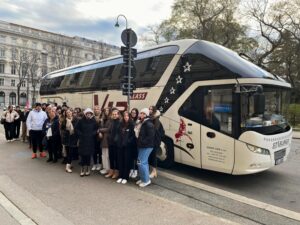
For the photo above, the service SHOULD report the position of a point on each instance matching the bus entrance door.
(217, 150)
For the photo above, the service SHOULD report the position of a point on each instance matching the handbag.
(2, 121)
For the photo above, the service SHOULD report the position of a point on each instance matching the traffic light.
(125, 89)
(128, 70)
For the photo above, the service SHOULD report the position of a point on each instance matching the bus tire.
(165, 153)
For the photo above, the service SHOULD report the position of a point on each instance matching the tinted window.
(211, 107)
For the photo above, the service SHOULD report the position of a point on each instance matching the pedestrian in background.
(17, 122)
(114, 142)
(24, 127)
(159, 133)
(145, 143)
(52, 135)
(86, 130)
(127, 142)
(103, 135)
(34, 122)
(9, 118)
(134, 114)
(69, 138)
(97, 157)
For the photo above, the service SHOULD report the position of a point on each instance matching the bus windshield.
(274, 119)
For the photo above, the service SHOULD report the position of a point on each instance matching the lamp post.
(129, 39)
(117, 22)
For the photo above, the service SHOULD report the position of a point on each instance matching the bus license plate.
(278, 161)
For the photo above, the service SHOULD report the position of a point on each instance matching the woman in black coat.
(69, 138)
(86, 130)
(52, 135)
(114, 143)
(127, 142)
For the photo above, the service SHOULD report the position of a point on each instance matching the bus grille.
(279, 154)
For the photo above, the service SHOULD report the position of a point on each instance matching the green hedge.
(294, 115)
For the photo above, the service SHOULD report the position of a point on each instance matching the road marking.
(271, 208)
(16, 213)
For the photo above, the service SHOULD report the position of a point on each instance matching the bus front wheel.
(165, 154)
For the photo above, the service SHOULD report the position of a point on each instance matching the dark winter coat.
(128, 138)
(104, 129)
(86, 131)
(146, 134)
(68, 139)
(114, 133)
(54, 124)
(159, 129)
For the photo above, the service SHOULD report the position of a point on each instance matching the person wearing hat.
(86, 130)
(34, 123)
(145, 143)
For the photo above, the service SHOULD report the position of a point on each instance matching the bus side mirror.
(259, 103)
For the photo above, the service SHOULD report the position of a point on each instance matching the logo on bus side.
(120, 105)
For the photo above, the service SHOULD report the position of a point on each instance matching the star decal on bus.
(167, 100)
(172, 91)
(179, 79)
(161, 109)
(187, 67)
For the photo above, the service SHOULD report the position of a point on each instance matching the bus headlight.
(258, 150)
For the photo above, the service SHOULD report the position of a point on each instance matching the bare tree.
(20, 61)
(63, 53)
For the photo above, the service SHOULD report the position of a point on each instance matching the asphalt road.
(277, 186)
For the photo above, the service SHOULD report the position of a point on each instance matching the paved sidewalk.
(296, 134)
(48, 195)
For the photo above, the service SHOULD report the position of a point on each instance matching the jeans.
(142, 163)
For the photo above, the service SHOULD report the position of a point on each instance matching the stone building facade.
(26, 54)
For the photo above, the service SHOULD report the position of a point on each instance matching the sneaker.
(33, 156)
(145, 184)
(94, 167)
(98, 167)
(134, 174)
(103, 171)
(130, 173)
(124, 181)
(119, 180)
(43, 154)
(138, 182)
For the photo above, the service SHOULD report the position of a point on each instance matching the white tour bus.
(219, 111)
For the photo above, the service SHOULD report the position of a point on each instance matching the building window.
(14, 54)
(44, 70)
(12, 98)
(44, 58)
(52, 59)
(24, 71)
(44, 47)
(2, 98)
(34, 45)
(23, 99)
(1, 67)
(14, 41)
(1, 81)
(2, 39)
(2, 52)
(13, 69)
(25, 42)
(23, 84)
(13, 82)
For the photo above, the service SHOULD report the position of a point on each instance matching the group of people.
(115, 143)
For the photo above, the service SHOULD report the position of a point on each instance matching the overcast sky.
(93, 19)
